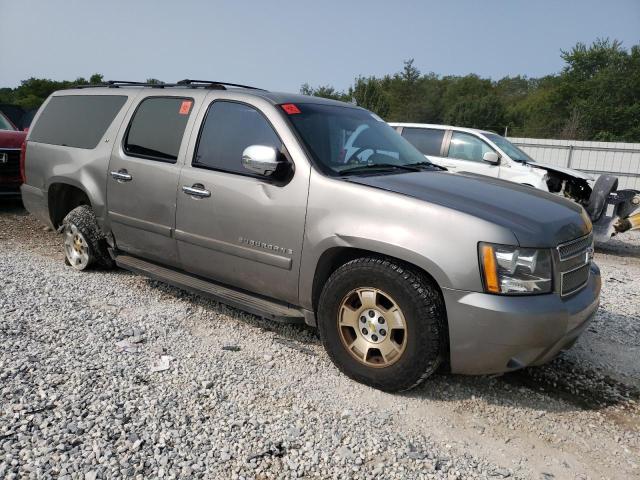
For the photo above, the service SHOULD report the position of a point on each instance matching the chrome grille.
(574, 280)
(575, 247)
(575, 264)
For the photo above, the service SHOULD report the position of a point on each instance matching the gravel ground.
(245, 398)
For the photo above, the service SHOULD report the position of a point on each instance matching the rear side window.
(157, 128)
(229, 128)
(428, 141)
(76, 120)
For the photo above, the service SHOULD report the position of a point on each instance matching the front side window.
(509, 148)
(349, 140)
(78, 121)
(427, 140)
(157, 128)
(465, 146)
(228, 129)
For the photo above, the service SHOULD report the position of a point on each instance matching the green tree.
(485, 112)
(324, 91)
(368, 93)
(600, 88)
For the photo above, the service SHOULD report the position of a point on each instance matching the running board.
(257, 305)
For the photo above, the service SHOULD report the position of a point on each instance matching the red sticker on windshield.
(185, 107)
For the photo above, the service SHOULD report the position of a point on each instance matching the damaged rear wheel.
(84, 243)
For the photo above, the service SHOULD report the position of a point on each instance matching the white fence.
(619, 159)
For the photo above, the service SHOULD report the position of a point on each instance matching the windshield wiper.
(380, 166)
(426, 164)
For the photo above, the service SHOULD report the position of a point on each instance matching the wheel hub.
(76, 248)
(372, 327)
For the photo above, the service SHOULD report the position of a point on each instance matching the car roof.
(438, 127)
(276, 98)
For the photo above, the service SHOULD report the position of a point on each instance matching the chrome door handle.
(196, 190)
(121, 175)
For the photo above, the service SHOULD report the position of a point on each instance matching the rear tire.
(84, 244)
(382, 324)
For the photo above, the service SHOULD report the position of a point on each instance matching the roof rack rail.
(182, 83)
(124, 83)
(212, 84)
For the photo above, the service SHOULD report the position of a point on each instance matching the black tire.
(424, 313)
(84, 220)
(605, 184)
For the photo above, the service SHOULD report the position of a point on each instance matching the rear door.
(143, 176)
(241, 229)
(429, 141)
(463, 153)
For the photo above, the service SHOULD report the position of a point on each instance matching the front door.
(465, 155)
(143, 178)
(234, 226)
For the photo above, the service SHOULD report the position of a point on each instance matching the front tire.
(382, 324)
(84, 243)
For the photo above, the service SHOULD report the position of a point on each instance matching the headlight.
(511, 270)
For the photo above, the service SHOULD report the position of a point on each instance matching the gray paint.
(433, 220)
(537, 218)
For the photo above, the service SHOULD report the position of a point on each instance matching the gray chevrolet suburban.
(298, 208)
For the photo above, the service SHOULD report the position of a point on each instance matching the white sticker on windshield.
(377, 117)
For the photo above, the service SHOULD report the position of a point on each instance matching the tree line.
(596, 96)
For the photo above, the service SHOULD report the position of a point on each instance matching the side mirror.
(491, 157)
(261, 159)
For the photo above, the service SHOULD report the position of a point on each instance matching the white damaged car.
(460, 149)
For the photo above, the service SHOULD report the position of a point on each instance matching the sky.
(279, 45)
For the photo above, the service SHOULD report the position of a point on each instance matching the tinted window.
(76, 120)
(465, 146)
(427, 140)
(229, 128)
(157, 128)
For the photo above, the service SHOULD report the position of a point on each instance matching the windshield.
(342, 139)
(509, 148)
(5, 124)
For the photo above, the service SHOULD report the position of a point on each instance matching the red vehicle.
(11, 140)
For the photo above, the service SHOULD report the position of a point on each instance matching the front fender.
(311, 263)
(439, 240)
(536, 181)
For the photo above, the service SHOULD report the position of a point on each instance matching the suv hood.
(567, 171)
(12, 138)
(536, 218)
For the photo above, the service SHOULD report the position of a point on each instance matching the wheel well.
(62, 198)
(334, 258)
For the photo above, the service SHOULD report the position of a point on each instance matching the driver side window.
(465, 146)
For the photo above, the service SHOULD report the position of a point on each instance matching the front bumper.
(493, 334)
(9, 190)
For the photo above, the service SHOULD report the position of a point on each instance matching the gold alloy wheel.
(372, 327)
